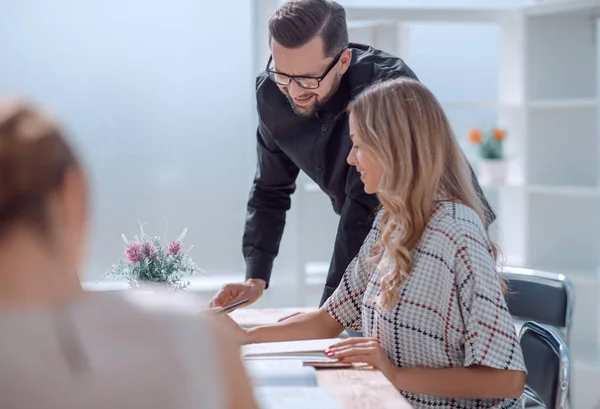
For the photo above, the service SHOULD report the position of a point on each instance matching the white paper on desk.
(281, 374)
(311, 347)
(300, 359)
(295, 398)
(272, 363)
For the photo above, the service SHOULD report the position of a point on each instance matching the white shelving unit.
(562, 167)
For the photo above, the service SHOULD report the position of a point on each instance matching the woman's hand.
(364, 350)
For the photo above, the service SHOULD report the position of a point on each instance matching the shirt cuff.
(259, 268)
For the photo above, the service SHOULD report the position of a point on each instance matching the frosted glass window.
(159, 96)
(458, 62)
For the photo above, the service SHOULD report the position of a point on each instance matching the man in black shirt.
(302, 95)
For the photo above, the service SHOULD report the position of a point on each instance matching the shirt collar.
(350, 86)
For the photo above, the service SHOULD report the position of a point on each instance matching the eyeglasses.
(303, 81)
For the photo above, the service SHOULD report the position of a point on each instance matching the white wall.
(159, 98)
(459, 63)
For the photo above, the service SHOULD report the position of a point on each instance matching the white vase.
(492, 171)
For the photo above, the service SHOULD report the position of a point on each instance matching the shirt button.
(325, 128)
(319, 168)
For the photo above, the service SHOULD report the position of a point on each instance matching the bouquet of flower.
(148, 261)
(490, 143)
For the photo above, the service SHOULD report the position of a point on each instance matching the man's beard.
(310, 110)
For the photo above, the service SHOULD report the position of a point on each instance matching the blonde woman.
(62, 348)
(424, 287)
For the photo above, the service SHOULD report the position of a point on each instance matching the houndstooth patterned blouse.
(451, 312)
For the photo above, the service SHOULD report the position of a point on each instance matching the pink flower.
(134, 253)
(148, 250)
(174, 248)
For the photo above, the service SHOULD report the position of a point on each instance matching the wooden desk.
(254, 317)
(358, 388)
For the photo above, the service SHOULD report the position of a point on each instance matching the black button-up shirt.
(319, 145)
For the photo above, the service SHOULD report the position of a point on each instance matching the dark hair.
(296, 22)
(34, 158)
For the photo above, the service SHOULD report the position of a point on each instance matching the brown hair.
(34, 158)
(402, 125)
(296, 22)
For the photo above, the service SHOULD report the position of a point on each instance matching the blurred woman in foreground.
(64, 348)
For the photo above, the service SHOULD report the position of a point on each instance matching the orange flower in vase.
(475, 136)
(492, 166)
(499, 134)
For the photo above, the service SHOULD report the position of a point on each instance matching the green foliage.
(490, 143)
(148, 261)
(491, 148)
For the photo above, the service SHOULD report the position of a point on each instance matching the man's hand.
(363, 350)
(234, 292)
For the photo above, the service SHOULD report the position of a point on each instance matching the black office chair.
(548, 367)
(539, 296)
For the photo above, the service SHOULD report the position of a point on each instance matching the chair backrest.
(539, 296)
(548, 365)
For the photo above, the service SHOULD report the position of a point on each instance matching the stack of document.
(284, 375)
(310, 352)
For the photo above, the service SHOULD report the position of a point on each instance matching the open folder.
(309, 352)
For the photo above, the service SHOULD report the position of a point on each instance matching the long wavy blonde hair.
(403, 127)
